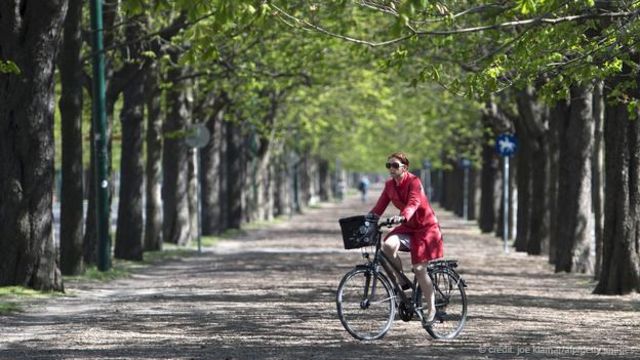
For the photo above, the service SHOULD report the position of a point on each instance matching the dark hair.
(400, 156)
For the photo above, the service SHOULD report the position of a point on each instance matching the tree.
(71, 99)
(620, 253)
(30, 41)
(175, 162)
(574, 187)
(153, 171)
(130, 224)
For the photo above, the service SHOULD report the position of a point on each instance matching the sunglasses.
(394, 165)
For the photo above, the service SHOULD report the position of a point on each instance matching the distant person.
(420, 232)
(363, 186)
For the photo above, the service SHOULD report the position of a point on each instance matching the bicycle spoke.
(373, 320)
(451, 305)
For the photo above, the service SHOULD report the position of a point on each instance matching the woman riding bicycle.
(420, 231)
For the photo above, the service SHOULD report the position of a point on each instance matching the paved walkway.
(270, 295)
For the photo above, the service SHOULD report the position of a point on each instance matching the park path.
(270, 295)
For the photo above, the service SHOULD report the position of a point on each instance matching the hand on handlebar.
(397, 219)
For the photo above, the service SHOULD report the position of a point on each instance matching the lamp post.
(101, 158)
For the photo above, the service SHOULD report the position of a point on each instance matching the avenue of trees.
(295, 93)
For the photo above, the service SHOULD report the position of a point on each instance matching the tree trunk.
(71, 195)
(222, 170)
(620, 251)
(325, 180)
(175, 161)
(574, 187)
(487, 221)
(533, 228)
(130, 223)
(597, 174)
(211, 174)
(282, 178)
(559, 118)
(233, 175)
(539, 224)
(153, 207)
(29, 254)
(523, 181)
(264, 182)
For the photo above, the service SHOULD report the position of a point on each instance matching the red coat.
(422, 224)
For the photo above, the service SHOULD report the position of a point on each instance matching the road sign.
(506, 144)
(197, 136)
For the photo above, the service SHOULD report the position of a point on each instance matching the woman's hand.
(397, 219)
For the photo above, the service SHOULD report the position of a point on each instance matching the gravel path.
(270, 295)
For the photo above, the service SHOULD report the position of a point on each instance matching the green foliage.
(9, 67)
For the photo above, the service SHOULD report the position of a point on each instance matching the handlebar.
(389, 222)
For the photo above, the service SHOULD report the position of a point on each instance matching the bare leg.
(427, 290)
(390, 248)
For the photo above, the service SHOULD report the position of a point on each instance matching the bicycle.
(369, 297)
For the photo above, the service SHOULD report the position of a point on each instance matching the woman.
(419, 232)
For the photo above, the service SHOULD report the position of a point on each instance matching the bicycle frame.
(381, 259)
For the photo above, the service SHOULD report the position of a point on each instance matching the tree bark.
(234, 175)
(175, 204)
(224, 191)
(72, 193)
(282, 177)
(574, 187)
(153, 207)
(539, 224)
(325, 180)
(533, 125)
(621, 250)
(523, 181)
(211, 172)
(559, 117)
(487, 219)
(130, 223)
(597, 174)
(29, 254)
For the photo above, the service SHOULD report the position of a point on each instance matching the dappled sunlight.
(270, 293)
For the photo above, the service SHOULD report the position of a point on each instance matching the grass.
(12, 297)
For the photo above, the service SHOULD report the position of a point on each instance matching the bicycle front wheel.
(451, 305)
(366, 304)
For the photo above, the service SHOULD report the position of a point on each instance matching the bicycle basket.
(358, 231)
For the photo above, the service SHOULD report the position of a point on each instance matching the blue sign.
(506, 144)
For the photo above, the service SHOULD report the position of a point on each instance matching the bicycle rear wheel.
(451, 304)
(366, 304)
